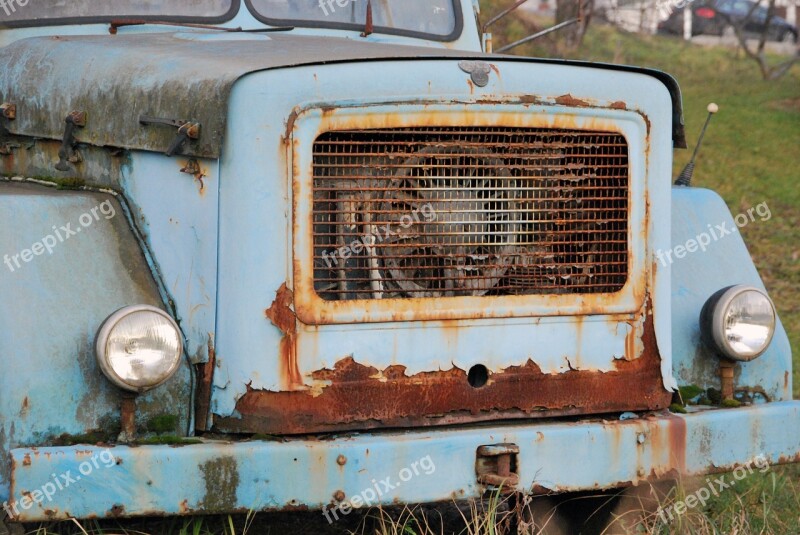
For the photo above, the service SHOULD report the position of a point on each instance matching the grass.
(750, 156)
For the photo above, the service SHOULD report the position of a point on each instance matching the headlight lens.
(739, 321)
(139, 347)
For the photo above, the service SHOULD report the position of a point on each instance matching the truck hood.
(184, 76)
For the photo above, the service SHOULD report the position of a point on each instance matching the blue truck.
(262, 255)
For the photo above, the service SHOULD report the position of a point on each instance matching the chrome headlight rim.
(712, 322)
(101, 346)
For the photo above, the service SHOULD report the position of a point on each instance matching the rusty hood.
(187, 76)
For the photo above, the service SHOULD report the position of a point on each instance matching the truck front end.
(360, 262)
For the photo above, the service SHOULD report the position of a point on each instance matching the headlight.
(738, 321)
(139, 347)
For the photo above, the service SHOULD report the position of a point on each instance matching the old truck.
(265, 255)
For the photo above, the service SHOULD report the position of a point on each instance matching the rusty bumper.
(385, 468)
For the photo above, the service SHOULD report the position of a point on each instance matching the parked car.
(277, 256)
(719, 16)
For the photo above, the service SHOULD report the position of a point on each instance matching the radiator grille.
(465, 211)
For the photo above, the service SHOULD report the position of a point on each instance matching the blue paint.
(50, 383)
(614, 453)
(251, 272)
(698, 275)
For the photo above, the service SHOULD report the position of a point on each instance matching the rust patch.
(356, 399)
(25, 407)
(192, 167)
(539, 490)
(618, 105)
(569, 100)
(205, 378)
(116, 511)
(26, 461)
(283, 317)
(668, 443)
(529, 99)
(286, 138)
(184, 508)
(128, 416)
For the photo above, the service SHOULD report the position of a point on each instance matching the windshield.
(437, 19)
(46, 12)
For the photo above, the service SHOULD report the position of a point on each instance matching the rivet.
(341, 460)
(339, 496)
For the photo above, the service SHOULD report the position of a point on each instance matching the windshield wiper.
(115, 24)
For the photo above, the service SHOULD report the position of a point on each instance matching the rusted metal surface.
(167, 76)
(569, 100)
(601, 454)
(128, 417)
(205, 381)
(68, 153)
(496, 466)
(8, 111)
(726, 369)
(283, 317)
(460, 211)
(362, 397)
(347, 175)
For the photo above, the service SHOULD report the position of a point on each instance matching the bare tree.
(768, 72)
(574, 9)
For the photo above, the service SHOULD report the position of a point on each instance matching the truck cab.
(337, 243)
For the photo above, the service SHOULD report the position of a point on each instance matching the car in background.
(718, 17)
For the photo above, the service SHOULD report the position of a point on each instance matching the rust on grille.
(359, 396)
(469, 211)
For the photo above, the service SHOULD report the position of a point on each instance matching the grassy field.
(751, 155)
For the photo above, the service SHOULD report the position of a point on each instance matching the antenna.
(537, 35)
(502, 14)
(685, 178)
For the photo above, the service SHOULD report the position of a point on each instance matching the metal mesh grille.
(465, 211)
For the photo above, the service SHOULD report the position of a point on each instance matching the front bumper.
(385, 468)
